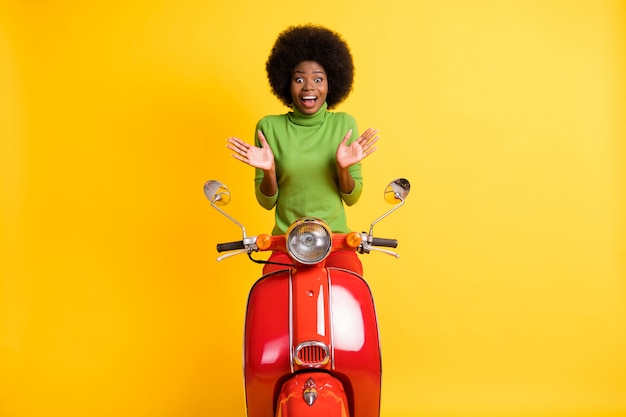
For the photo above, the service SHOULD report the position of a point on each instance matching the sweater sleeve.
(266, 202)
(351, 198)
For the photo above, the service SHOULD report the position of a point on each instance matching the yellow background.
(507, 116)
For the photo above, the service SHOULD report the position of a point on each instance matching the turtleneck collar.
(301, 119)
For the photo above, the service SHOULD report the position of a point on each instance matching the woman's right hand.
(256, 157)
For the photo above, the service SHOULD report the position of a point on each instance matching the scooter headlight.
(309, 241)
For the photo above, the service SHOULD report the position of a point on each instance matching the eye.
(299, 80)
(318, 80)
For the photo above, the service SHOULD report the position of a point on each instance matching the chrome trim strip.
(332, 327)
(291, 322)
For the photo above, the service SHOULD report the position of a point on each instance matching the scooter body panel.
(266, 342)
(311, 307)
(356, 345)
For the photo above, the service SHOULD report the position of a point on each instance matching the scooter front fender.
(312, 394)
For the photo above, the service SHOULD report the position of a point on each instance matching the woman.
(306, 163)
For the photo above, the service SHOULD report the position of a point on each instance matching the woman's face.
(309, 87)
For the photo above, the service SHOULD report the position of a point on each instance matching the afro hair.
(310, 43)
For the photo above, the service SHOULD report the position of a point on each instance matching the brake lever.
(228, 255)
(388, 252)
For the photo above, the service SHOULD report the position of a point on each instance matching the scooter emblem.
(309, 392)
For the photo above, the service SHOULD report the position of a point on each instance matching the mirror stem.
(386, 214)
(243, 229)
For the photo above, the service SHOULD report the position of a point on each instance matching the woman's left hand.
(348, 155)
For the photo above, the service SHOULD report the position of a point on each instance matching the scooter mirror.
(397, 191)
(217, 193)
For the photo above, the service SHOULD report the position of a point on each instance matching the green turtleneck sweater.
(304, 148)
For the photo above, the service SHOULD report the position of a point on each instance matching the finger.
(237, 148)
(239, 157)
(370, 133)
(371, 142)
(234, 140)
(346, 138)
(365, 134)
(237, 143)
(369, 152)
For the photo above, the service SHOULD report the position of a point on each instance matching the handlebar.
(249, 244)
(388, 243)
(225, 247)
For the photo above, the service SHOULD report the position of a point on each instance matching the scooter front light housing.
(309, 241)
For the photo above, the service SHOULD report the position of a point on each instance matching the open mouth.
(309, 101)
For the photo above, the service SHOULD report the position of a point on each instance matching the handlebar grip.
(389, 243)
(224, 247)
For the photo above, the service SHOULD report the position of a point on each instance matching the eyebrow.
(314, 72)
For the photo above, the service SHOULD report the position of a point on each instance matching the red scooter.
(311, 343)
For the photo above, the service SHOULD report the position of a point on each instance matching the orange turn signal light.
(264, 242)
(353, 239)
